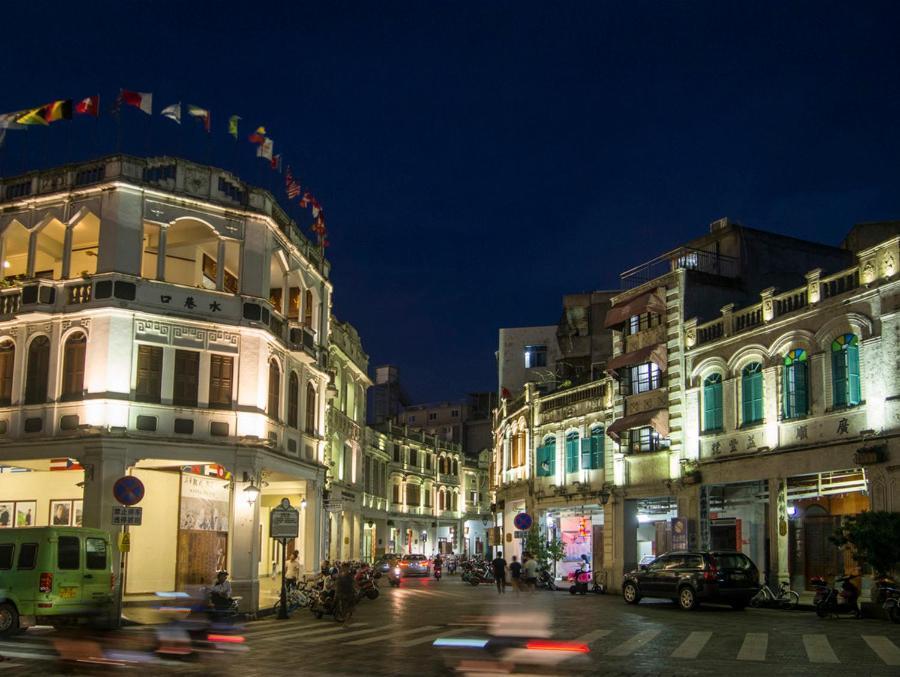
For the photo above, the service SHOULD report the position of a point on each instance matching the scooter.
(891, 604)
(437, 572)
(581, 577)
(830, 602)
(394, 577)
(481, 576)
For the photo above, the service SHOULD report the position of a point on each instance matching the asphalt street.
(396, 635)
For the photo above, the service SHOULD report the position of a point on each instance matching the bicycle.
(785, 598)
(297, 598)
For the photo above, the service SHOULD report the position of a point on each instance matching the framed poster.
(60, 513)
(77, 513)
(7, 514)
(25, 513)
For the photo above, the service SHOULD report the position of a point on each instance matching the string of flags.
(64, 109)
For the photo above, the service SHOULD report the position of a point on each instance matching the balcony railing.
(773, 306)
(565, 398)
(683, 258)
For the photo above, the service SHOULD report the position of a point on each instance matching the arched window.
(456, 463)
(712, 402)
(572, 452)
(751, 394)
(441, 496)
(546, 458)
(592, 450)
(7, 360)
(73, 367)
(795, 397)
(293, 400)
(274, 389)
(845, 370)
(38, 370)
(455, 501)
(310, 409)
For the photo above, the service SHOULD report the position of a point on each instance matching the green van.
(54, 574)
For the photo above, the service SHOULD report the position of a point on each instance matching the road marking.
(885, 648)
(634, 643)
(280, 629)
(591, 636)
(324, 629)
(692, 646)
(340, 635)
(432, 636)
(818, 650)
(754, 647)
(391, 635)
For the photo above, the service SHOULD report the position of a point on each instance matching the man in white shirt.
(292, 570)
(529, 572)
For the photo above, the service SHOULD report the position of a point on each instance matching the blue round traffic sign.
(128, 490)
(523, 521)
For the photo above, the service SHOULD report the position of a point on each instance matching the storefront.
(581, 531)
(735, 517)
(816, 506)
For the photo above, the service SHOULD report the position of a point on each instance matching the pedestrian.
(530, 572)
(292, 570)
(499, 565)
(515, 574)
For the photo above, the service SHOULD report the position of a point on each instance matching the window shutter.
(572, 453)
(598, 440)
(786, 392)
(708, 407)
(756, 384)
(839, 377)
(746, 399)
(800, 382)
(586, 453)
(854, 391)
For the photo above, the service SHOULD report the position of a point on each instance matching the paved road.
(395, 635)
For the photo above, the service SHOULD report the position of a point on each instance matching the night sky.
(478, 160)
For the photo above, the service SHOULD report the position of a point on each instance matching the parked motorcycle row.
(327, 594)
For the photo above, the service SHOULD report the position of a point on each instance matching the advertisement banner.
(204, 503)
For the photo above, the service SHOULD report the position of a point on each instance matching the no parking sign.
(128, 490)
(523, 521)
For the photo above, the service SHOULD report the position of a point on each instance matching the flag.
(291, 187)
(233, 125)
(172, 112)
(304, 201)
(142, 100)
(201, 114)
(65, 464)
(276, 162)
(58, 110)
(265, 149)
(316, 207)
(259, 136)
(8, 120)
(88, 106)
(33, 117)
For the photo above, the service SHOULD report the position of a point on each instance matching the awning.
(658, 419)
(651, 302)
(656, 354)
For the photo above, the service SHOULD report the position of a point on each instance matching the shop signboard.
(679, 533)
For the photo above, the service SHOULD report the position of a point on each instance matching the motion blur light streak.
(464, 642)
(232, 639)
(549, 645)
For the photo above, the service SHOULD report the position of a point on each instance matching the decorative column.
(768, 304)
(244, 534)
(220, 266)
(778, 531)
(813, 293)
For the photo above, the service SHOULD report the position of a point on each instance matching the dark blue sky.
(477, 160)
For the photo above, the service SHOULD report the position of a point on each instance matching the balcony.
(683, 258)
(448, 479)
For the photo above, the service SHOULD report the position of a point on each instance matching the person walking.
(530, 572)
(499, 565)
(292, 570)
(515, 574)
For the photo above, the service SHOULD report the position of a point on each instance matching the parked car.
(383, 564)
(691, 577)
(414, 565)
(54, 574)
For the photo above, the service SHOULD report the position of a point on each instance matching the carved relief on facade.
(152, 330)
(83, 322)
(196, 182)
(39, 328)
(224, 341)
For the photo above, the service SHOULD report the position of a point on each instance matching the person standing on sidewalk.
(515, 574)
(292, 570)
(499, 565)
(529, 573)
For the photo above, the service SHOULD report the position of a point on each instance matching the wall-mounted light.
(303, 503)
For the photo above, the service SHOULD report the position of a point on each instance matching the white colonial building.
(165, 320)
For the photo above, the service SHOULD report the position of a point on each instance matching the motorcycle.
(545, 580)
(394, 577)
(891, 604)
(437, 572)
(582, 577)
(366, 586)
(485, 575)
(831, 602)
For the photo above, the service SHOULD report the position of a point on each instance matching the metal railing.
(684, 258)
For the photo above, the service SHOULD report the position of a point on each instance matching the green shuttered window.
(572, 452)
(546, 458)
(845, 370)
(795, 395)
(712, 402)
(751, 394)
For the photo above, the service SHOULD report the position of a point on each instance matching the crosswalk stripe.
(324, 628)
(634, 643)
(433, 636)
(340, 635)
(754, 647)
(818, 650)
(280, 629)
(692, 646)
(591, 636)
(885, 648)
(392, 635)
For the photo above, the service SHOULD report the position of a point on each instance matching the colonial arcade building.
(750, 402)
(163, 319)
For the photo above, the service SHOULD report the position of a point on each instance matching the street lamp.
(251, 493)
